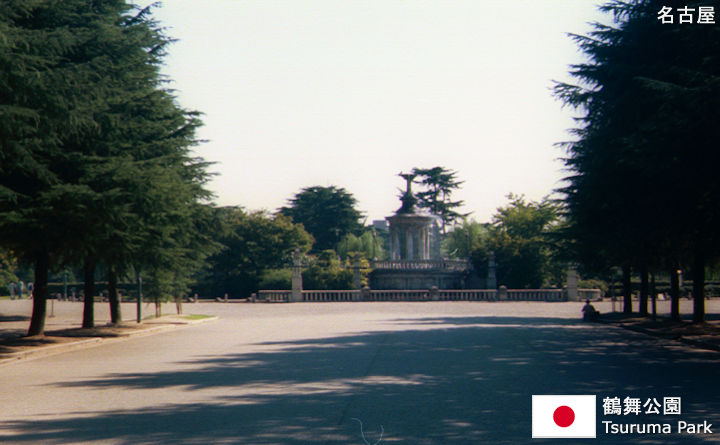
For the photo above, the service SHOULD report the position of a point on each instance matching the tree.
(520, 238)
(465, 238)
(87, 122)
(326, 273)
(369, 245)
(253, 243)
(640, 163)
(439, 184)
(48, 90)
(327, 213)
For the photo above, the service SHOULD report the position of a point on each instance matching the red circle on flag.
(564, 416)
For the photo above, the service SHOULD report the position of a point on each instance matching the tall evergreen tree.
(96, 153)
(440, 183)
(641, 191)
(327, 213)
(47, 92)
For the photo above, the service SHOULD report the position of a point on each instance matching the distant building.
(380, 225)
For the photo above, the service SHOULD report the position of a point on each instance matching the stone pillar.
(423, 242)
(491, 277)
(427, 243)
(364, 293)
(296, 294)
(394, 245)
(502, 293)
(434, 293)
(420, 244)
(409, 245)
(572, 285)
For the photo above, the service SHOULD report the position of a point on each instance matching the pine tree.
(439, 183)
(96, 153)
(641, 192)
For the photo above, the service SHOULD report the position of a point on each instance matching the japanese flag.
(563, 416)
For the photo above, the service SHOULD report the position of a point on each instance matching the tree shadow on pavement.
(426, 381)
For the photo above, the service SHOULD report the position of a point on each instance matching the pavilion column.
(395, 245)
(422, 253)
(427, 243)
(410, 246)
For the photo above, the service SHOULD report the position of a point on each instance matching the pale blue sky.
(349, 93)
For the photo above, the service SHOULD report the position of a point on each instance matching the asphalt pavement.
(327, 373)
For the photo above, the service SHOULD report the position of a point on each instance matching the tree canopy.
(327, 213)
(520, 236)
(642, 190)
(253, 243)
(439, 183)
(95, 159)
(464, 238)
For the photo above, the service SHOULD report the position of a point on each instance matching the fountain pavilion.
(415, 261)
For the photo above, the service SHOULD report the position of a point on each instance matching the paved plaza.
(423, 373)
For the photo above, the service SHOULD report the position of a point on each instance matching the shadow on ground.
(439, 381)
(8, 318)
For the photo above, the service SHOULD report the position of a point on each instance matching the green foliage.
(465, 238)
(276, 279)
(95, 161)
(368, 245)
(253, 243)
(642, 190)
(519, 238)
(439, 183)
(8, 270)
(327, 213)
(326, 273)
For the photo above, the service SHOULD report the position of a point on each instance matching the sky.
(298, 93)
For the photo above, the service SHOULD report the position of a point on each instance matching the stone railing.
(331, 295)
(283, 296)
(589, 294)
(272, 296)
(467, 295)
(458, 265)
(396, 295)
(536, 295)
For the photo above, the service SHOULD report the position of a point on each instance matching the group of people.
(17, 290)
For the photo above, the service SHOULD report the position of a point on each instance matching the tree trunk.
(37, 321)
(698, 274)
(674, 294)
(89, 290)
(644, 290)
(115, 314)
(627, 290)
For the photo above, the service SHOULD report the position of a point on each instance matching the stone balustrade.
(589, 294)
(459, 265)
(282, 296)
(467, 295)
(536, 295)
(396, 295)
(330, 295)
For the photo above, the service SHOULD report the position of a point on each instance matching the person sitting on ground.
(589, 312)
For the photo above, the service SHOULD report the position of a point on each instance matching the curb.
(86, 343)
(678, 338)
